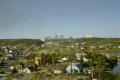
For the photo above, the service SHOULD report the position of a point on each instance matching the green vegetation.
(108, 50)
(1, 52)
(56, 49)
(23, 42)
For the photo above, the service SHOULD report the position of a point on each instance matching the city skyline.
(44, 18)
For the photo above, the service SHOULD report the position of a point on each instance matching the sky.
(43, 18)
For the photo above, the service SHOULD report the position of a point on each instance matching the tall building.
(89, 36)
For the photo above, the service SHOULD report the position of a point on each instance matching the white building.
(74, 68)
(89, 36)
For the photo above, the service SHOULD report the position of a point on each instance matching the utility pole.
(70, 63)
(99, 74)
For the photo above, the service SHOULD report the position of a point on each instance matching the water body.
(116, 69)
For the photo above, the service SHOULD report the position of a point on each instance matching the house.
(22, 69)
(29, 56)
(40, 60)
(10, 51)
(74, 68)
(80, 55)
(77, 44)
(65, 59)
(4, 58)
(92, 47)
(85, 59)
(26, 70)
(1, 62)
(119, 46)
(6, 49)
(11, 67)
(10, 56)
(82, 47)
(111, 55)
(102, 46)
(57, 71)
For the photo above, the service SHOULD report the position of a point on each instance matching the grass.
(108, 50)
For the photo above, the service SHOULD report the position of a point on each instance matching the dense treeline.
(27, 42)
(99, 41)
(90, 41)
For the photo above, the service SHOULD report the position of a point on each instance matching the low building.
(65, 59)
(10, 56)
(40, 60)
(29, 56)
(74, 68)
(80, 55)
(27, 70)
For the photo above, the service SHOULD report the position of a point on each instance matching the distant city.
(59, 39)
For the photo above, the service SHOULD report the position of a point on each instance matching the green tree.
(9, 76)
(1, 52)
(117, 77)
(53, 56)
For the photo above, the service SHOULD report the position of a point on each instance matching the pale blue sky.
(42, 18)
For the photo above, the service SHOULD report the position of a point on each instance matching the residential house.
(29, 56)
(65, 59)
(119, 46)
(22, 69)
(82, 56)
(27, 70)
(75, 67)
(79, 55)
(10, 56)
(40, 60)
(4, 58)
